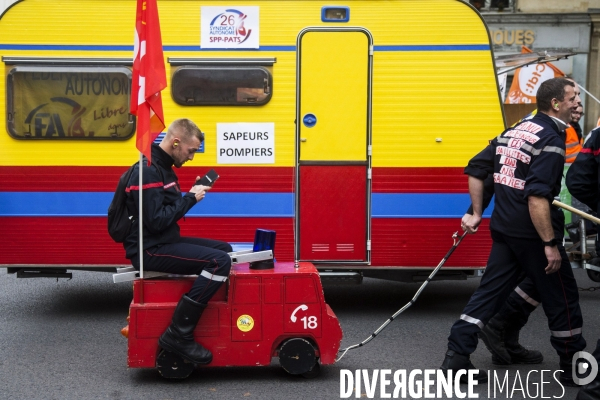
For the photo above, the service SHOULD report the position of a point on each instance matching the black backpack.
(119, 218)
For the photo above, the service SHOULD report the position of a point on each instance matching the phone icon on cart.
(302, 307)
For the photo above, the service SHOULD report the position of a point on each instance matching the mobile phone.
(208, 179)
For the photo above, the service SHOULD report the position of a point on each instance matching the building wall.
(555, 6)
(593, 107)
(547, 27)
(4, 4)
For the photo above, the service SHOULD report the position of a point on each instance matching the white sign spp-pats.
(246, 143)
(229, 27)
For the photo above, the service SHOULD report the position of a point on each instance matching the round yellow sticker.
(245, 323)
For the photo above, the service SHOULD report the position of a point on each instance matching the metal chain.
(590, 289)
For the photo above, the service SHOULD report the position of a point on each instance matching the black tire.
(593, 275)
(297, 356)
(314, 372)
(171, 366)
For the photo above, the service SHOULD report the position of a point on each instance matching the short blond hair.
(186, 128)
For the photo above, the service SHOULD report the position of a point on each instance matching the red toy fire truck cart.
(257, 315)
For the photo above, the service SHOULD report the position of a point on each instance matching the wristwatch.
(553, 242)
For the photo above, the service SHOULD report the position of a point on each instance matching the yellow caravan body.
(375, 107)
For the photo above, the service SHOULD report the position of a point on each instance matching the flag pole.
(141, 226)
(147, 81)
(141, 218)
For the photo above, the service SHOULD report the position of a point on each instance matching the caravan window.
(71, 102)
(221, 85)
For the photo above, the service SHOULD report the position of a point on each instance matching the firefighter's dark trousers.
(520, 304)
(192, 256)
(558, 294)
(525, 298)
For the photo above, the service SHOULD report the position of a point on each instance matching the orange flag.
(528, 79)
(149, 76)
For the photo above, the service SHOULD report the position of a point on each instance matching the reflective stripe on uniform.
(572, 332)
(213, 277)
(526, 297)
(472, 320)
(533, 150)
(570, 159)
(550, 149)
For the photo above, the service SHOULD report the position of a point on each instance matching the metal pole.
(583, 238)
(588, 93)
(140, 218)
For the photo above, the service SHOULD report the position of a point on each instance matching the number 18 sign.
(229, 28)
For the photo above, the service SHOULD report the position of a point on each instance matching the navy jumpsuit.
(165, 250)
(524, 160)
(583, 181)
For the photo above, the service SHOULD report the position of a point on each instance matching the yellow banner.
(64, 104)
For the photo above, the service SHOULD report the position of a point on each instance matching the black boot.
(492, 336)
(179, 336)
(518, 354)
(566, 375)
(591, 391)
(455, 362)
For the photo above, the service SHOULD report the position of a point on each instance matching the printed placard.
(59, 103)
(229, 27)
(246, 143)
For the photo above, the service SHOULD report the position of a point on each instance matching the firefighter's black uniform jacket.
(165, 250)
(584, 184)
(163, 203)
(582, 177)
(525, 160)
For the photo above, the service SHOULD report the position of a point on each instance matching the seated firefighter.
(165, 250)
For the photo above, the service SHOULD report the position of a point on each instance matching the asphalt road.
(61, 340)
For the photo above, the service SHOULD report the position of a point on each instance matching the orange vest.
(573, 145)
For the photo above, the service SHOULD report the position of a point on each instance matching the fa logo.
(49, 124)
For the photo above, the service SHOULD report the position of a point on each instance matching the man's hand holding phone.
(204, 184)
(199, 190)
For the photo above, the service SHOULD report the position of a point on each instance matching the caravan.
(345, 128)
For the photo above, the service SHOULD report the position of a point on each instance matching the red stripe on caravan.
(419, 180)
(104, 179)
(395, 242)
(232, 179)
(65, 240)
(413, 242)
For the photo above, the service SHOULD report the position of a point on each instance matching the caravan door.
(333, 137)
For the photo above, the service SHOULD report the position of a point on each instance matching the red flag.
(149, 76)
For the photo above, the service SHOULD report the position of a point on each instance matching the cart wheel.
(593, 275)
(171, 366)
(297, 356)
(314, 372)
